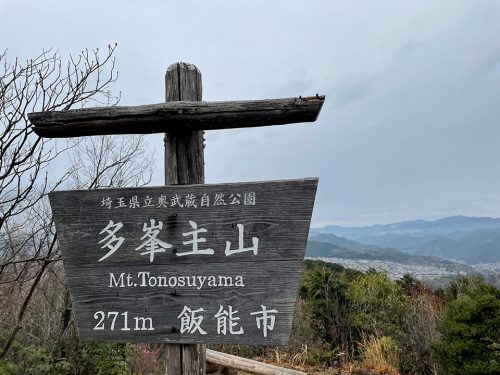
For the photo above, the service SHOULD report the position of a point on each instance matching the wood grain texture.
(193, 359)
(280, 219)
(184, 149)
(183, 359)
(184, 164)
(175, 116)
(248, 365)
(172, 359)
(273, 284)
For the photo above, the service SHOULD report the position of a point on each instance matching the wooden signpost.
(185, 264)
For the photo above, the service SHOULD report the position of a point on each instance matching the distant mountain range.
(332, 246)
(469, 239)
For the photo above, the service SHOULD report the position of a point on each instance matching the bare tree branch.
(28, 245)
(42, 84)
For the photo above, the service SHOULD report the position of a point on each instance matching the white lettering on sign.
(146, 279)
(227, 319)
(235, 198)
(152, 245)
(191, 201)
(205, 201)
(249, 199)
(115, 319)
(195, 241)
(265, 319)
(176, 201)
(111, 241)
(241, 248)
(148, 202)
(187, 201)
(162, 201)
(120, 202)
(191, 320)
(106, 202)
(134, 202)
(219, 200)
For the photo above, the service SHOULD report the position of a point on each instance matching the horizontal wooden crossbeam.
(175, 117)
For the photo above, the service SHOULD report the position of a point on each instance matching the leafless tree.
(28, 243)
(41, 84)
(111, 161)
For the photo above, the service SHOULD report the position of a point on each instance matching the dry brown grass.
(380, 354)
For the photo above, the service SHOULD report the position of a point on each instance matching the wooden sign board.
(185, 263)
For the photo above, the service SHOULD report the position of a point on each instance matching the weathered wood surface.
(172, 359)
(184, 164)
(248, 365)
(273, 284)
(193, 359)
(279, 218)
(184, 148)
(175, 116)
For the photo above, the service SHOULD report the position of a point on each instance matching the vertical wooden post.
(184, 164)
(184, 157)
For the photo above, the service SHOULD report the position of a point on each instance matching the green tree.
(470, 329)
(378, 303)
(98, 358)
(324, 290)
(31, 360)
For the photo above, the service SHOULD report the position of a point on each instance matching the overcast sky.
(410, 127)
